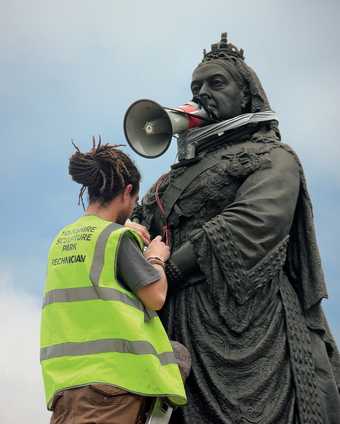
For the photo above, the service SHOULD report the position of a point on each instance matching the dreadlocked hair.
(104, 172)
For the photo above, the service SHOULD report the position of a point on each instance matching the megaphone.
(150, 127)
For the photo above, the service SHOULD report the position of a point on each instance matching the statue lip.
(209, 105)
(212, 110)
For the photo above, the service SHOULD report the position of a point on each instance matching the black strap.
(176, 188)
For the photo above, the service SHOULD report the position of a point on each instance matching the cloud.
(22, 397)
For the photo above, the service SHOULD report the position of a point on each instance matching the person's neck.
(107, 212)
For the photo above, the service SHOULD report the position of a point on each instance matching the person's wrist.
(156, 260)
(159, 257)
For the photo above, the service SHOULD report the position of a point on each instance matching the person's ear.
(128, 190)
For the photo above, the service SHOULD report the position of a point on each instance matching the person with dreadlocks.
(244, 275)
(104, 351)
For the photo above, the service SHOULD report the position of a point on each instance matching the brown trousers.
(99, 404)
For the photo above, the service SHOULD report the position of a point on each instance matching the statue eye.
(217, 82)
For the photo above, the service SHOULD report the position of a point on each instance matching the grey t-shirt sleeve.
(133, 270)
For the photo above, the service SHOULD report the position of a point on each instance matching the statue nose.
(204, 91)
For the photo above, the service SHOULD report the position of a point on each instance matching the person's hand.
(157, 248)
(140, 229)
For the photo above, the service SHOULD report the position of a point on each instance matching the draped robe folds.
(250, 313)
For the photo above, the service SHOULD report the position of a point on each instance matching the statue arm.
(263, 210)
(249, 232)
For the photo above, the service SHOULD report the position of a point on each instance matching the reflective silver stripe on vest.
(99, 253)
(98, 263)
(106, 346)
(77, 294)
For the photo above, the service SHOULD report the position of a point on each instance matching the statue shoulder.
(284, 153)
(248, 157)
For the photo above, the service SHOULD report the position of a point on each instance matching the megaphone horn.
(150, 127)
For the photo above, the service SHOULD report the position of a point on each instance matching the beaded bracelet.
(156, 260)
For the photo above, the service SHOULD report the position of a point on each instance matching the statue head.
(225, 85)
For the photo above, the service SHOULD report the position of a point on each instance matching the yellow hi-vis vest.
(93, 330)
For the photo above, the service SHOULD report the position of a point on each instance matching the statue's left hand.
(140, 229)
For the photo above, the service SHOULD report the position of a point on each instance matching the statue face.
(217, 91)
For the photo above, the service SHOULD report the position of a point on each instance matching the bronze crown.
(222, 50)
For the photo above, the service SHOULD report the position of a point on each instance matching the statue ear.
(245, 100)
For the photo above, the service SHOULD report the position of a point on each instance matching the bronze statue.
(245, 275)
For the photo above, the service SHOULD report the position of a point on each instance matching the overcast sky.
(70, 69)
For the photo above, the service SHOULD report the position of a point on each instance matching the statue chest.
(209, 193)
(204, 198)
